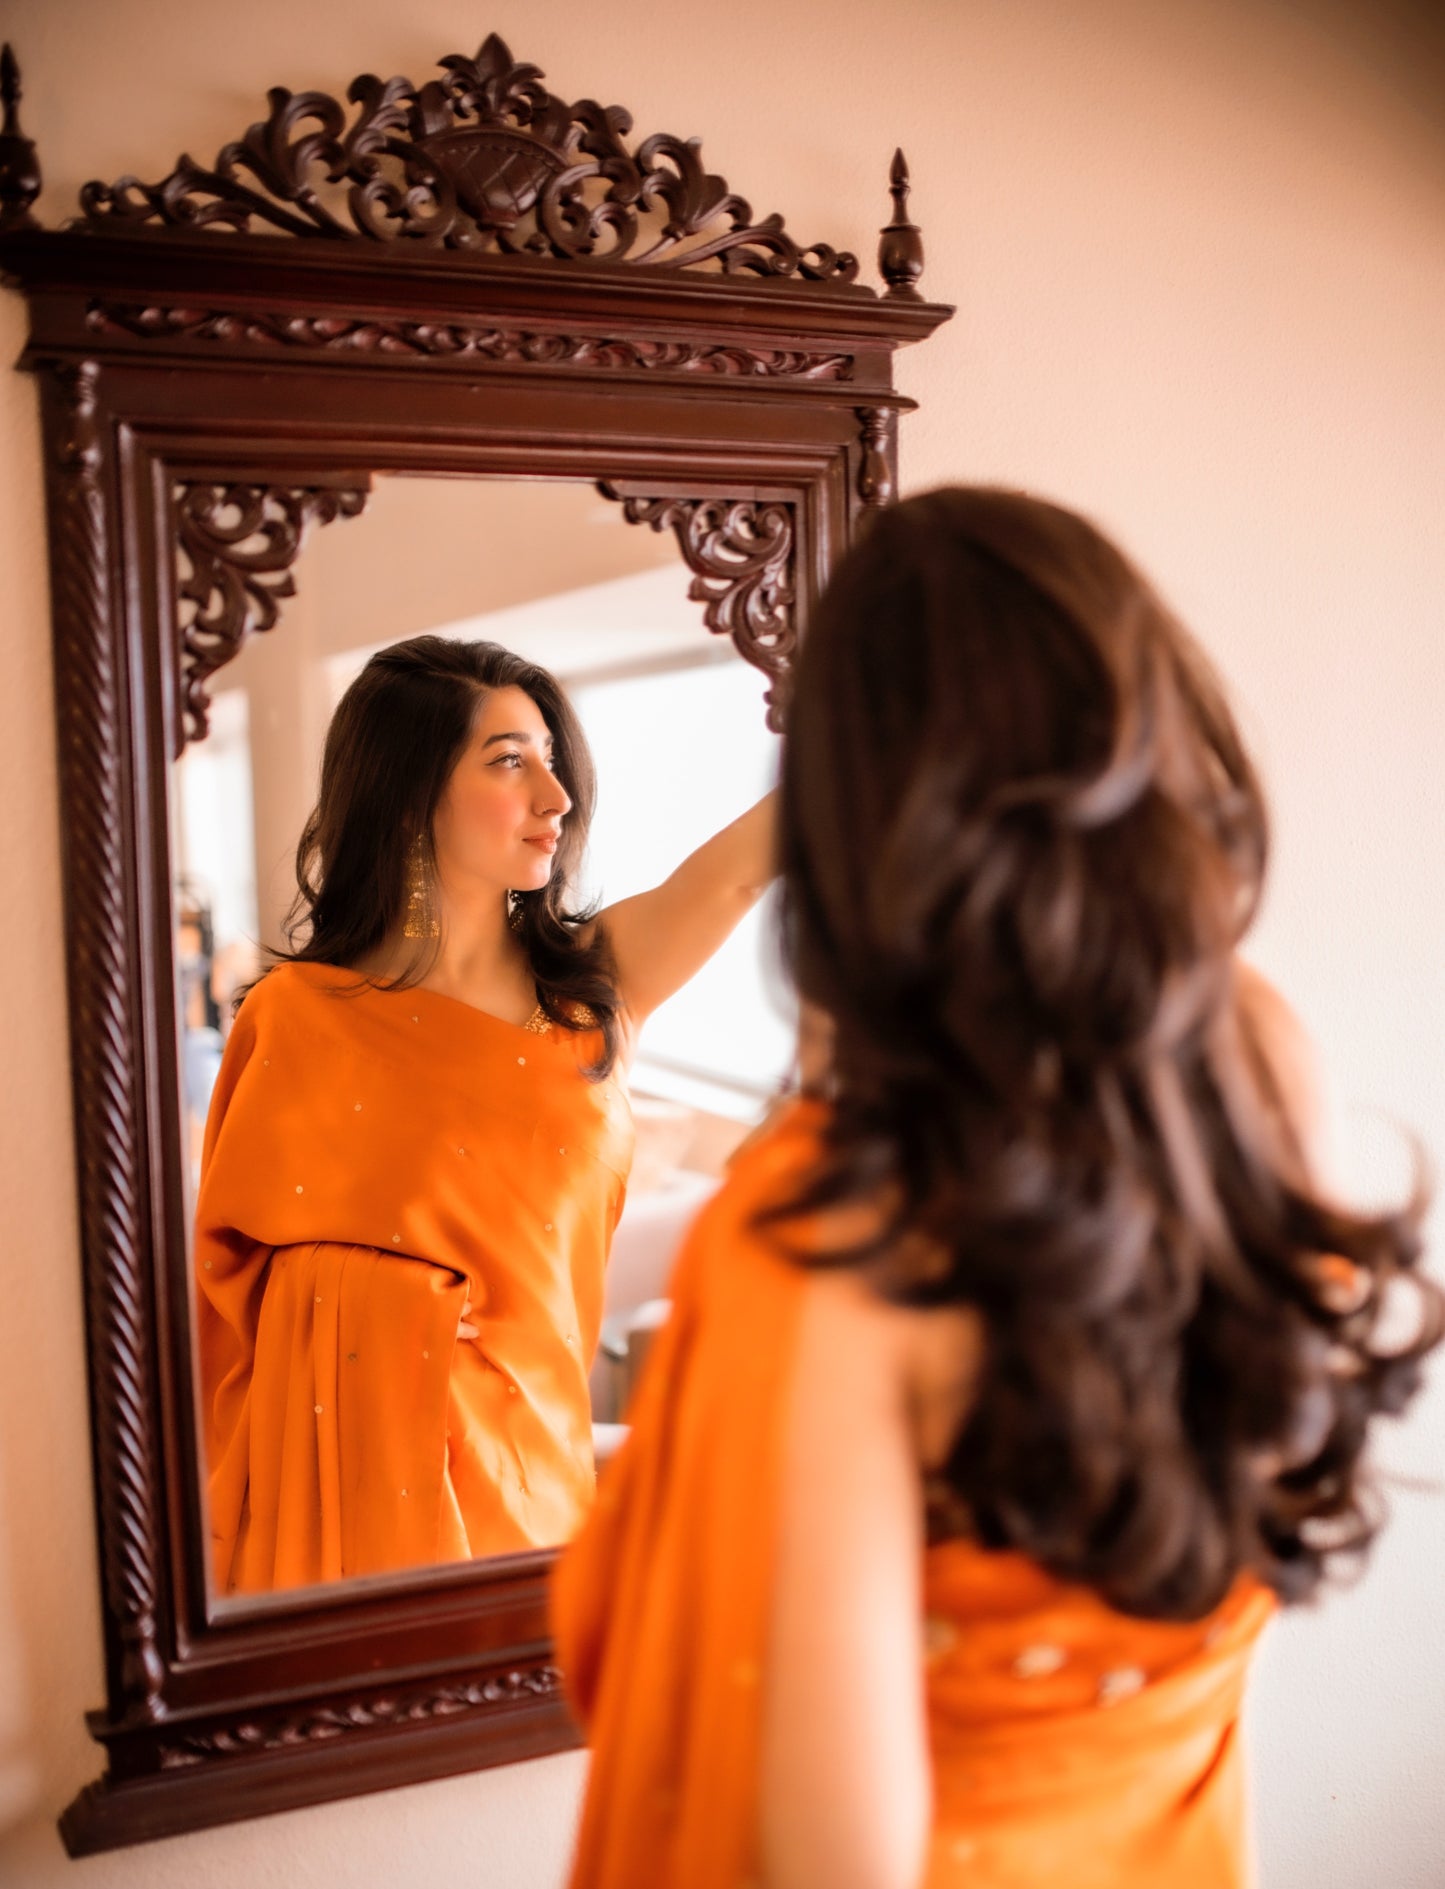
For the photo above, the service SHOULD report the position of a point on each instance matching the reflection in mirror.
(405, 1198)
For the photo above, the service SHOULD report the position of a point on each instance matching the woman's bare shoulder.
(1288, 1054)
(925, 1360)
(1282, 1036)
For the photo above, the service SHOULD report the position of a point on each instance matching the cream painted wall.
(1199, 254)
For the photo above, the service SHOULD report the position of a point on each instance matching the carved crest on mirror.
(483, 159)
(470, 277)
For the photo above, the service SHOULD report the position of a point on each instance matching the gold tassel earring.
(421, 910)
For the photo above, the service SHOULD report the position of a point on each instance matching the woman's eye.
(508, 760)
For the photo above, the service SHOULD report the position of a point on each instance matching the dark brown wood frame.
(453, 284)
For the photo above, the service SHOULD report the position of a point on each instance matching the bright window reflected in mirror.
(682, 751)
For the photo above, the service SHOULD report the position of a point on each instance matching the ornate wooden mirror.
(471, 280)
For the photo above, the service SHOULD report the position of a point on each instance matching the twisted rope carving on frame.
(117, 1289)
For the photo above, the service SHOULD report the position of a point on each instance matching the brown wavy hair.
(396, 736)
(1021, 841)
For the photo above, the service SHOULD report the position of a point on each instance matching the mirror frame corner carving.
(229, 345)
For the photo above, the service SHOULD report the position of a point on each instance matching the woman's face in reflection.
(500, 814)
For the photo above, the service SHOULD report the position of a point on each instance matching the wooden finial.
(898, 185)
(19, 168)
(900, 246)
(9, 88)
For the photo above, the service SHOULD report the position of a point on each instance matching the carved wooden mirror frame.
(470, 276)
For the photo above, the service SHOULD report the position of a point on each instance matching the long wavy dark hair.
(1021, 842)
(397, 734)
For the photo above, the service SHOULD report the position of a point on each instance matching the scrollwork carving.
(118, 1311)
(239, 543)
(462, 340)
(483, 159)
(741, 553)
(312, 1725)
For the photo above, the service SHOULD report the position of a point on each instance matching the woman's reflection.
(419, 1140)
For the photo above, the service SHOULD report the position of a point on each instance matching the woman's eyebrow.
(511, 734)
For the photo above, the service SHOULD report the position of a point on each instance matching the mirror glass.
(367, 1402)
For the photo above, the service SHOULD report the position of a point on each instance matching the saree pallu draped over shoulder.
(1069, 1744)
(375, 1159)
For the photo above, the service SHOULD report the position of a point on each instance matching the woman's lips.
(544, 842)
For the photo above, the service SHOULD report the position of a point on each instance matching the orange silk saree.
(1070, 1745)
(373, 1160)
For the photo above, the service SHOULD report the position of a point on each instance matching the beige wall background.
(1198, 250)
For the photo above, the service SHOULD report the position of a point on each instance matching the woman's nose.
(552, 796)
